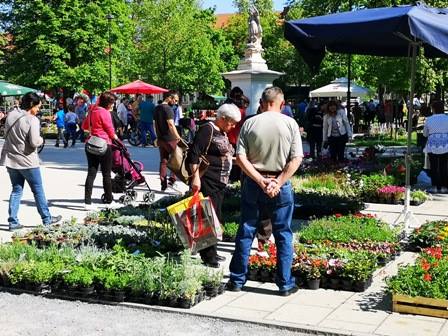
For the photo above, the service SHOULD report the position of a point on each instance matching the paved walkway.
(322, 311)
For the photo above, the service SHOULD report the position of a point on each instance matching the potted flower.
(254, 267)
(333, 272)
(314, 268)
(418, 197)
(391, 194)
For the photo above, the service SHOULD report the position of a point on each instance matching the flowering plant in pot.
(391, 194)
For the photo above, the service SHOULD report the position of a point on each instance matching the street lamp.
(109, 18)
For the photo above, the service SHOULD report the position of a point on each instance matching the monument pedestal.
(252, 74)
(252, 82)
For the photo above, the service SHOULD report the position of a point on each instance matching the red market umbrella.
(139, 86)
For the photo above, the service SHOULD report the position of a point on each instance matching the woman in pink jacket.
(99, 123)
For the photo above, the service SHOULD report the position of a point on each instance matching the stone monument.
(252, 74)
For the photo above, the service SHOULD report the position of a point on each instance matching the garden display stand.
(406, 216)
(419, 305)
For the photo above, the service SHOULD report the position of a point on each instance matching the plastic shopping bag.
(196, 222)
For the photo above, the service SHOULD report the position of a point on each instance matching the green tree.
(180, 48)
(64, 43)
(391, 74)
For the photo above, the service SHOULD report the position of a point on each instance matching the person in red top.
(99, 123)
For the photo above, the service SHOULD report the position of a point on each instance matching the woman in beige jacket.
(19, 155)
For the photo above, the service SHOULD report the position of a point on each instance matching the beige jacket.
(20, 147)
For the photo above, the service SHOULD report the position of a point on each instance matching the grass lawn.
(384, 140)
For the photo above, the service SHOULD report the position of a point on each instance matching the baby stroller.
(127, 175)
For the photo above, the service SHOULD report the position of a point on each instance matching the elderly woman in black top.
(212, 142)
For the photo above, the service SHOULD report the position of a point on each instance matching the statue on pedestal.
(255, 30)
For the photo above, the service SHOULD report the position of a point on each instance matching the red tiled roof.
(222, 20)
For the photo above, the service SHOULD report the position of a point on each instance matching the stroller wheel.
(134, 138)
(132, 194)
(149, 197)
(125, 199)
(138, 165)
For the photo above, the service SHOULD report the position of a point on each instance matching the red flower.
(435, 252)
(338, 215)
(425, 265)
(427, 277)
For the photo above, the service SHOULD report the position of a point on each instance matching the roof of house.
(222, 20)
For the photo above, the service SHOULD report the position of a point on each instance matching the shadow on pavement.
(375, 301)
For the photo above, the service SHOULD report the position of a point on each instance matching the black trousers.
(93, 162)
(315, 138)
(337, 147)
(439, 169)
(209, 254)
(264, 228)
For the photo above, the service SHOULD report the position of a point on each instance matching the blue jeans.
(34, 179)
(71, 133)
(146, 127)
(279, 209)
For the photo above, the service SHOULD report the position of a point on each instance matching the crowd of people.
(262, 151)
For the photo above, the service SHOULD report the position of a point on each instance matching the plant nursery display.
(337, 252)
(422, 288)
(431, 233)
(113, 275)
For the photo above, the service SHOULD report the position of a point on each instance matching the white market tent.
(338, 88)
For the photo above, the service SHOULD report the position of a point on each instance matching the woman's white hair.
(229, 111)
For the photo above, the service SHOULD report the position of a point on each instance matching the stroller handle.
(118, 143)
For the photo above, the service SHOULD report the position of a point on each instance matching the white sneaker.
(444, 190)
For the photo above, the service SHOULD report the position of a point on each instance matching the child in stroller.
(127, 175)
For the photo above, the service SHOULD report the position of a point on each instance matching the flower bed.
(430, 234)
(334, 268)
(422, 288)
(357, 228)
(427, 278)
(338, 252)
(91, 273)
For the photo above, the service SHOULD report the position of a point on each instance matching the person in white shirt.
(336, 131)
(436, 130)
(122, 111)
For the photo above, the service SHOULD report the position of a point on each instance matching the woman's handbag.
(95, 145)
(177, 161)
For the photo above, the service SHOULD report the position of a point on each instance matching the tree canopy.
(175, 44)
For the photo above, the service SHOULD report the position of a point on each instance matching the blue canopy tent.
(388, 31)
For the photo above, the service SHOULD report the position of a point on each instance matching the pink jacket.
(101, 125)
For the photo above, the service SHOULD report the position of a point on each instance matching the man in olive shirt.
(269, 152)
(167, 136)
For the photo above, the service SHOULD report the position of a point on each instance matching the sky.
(225, 6)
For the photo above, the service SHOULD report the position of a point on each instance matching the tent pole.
(349, 78)
(407, 213)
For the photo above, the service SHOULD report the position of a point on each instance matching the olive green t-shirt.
(269, 141)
